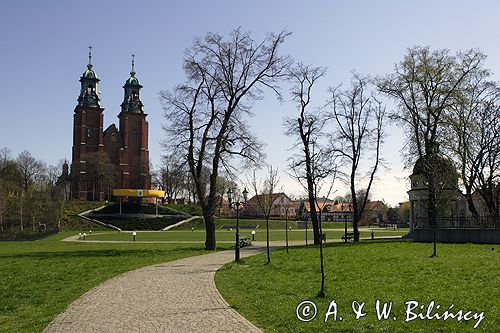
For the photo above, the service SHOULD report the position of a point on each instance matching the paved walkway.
(279, 243)
(177, 296)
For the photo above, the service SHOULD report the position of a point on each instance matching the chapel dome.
(441, 166)
(89, 73)
(442, 162)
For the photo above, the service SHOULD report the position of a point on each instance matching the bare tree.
(423, 85)
(27, 191)
(99, 172)
(359, 130)
(206, 116)
(320, 204)
(265, 197)
(52, 172)
(170, 177)
(474, 140)
(307, 128)
(4, 157)
(488, 169)
(224, 184)
(32, 170)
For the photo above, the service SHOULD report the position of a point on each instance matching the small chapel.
(448, 220)
(126, 146)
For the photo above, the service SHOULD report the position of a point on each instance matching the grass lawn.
(229, 235)
(40, 279)
(466, 275)
(191, 209)
(273, 224)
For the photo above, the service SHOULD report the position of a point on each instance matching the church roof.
(441, 161)
(132, 80)
(89, 73)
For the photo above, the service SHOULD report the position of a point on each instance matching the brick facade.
(126, 146)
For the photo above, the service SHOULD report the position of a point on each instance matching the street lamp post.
(345, 223)
(237, 205)
(237, 244)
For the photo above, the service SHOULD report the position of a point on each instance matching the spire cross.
(90, 54)
(133, 57)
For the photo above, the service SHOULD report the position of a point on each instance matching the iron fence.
(469, 222)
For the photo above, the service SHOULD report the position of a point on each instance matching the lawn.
(273, 224)
(466, 275)
(229, 235)
(40, 279)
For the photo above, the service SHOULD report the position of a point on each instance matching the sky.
(44, 50)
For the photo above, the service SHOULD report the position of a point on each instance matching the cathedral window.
(89, 132)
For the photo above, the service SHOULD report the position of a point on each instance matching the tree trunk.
(472, 207)
(267, 240)
(312, 201)
(432, 209)
(356, 216)
(22, 228)
(322, 290)
(209, 230)
(314, 219)
(355, 229)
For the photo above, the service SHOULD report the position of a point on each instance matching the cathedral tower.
(87, 129)
(126, 146)
(133, 156)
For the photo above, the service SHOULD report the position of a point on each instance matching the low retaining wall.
(486, 236)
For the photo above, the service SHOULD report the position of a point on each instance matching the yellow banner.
(138, 193)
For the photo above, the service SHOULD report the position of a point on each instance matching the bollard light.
(133, 235)
(192, 228)
(79, 235)
(84, 235)
(253, 235)
(90, 233)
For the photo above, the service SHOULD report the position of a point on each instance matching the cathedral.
(124, 148)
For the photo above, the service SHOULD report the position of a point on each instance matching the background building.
(281, 206)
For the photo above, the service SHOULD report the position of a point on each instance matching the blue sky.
(43, 52)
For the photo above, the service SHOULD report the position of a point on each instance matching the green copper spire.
(89, 95)
(132, 99)
(132, 72)
(90, 56)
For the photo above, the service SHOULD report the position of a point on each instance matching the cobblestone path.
(177, 296)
